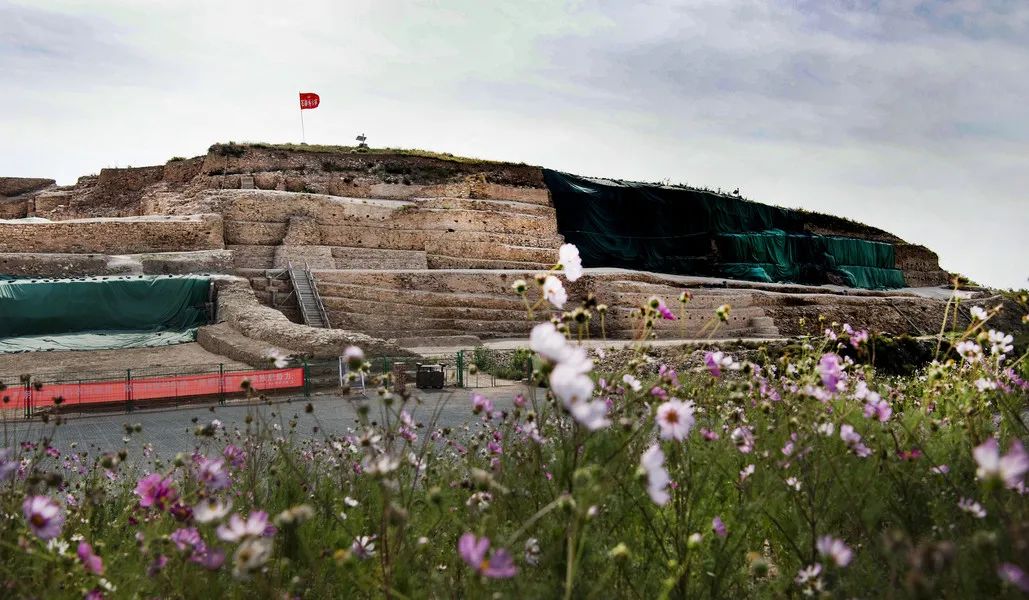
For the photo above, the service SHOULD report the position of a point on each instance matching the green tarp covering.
(103, 306)
(96, 340)
(693, 232)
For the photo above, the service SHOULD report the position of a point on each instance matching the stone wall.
(54, 265)
(126, 235)
(16, 186)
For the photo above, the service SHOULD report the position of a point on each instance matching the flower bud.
(519, 286)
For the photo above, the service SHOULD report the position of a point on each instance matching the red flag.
(309, 100)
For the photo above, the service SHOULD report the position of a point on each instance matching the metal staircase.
(311, 307)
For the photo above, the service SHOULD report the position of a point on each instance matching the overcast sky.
(908, 115)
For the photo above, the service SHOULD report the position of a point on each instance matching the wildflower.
(826, 429)
(831, 372)
(278, 359)
(808, 574)
(479, 500)
(532, 551)
(722, 312)
(210, 510)
(156, 565)
(718, 526)
(251, 555)
(1000, 343)
(381, 465)
(708, 434)
(972, 507)
(236, 456)
(256, 525)
(853, 441)
(1009, 468)
(834, 548)
(554, 292)
(570, 262)
(716, 361)
(694, 540)
(858, 338)
(794, 483)
(91, 561)
(1014, 575)
(155, 490)
(481, 403)
(652, 462)
(363, 546)
(354, 357)
(940, 469)
(519, 286)
(970, 351)
(44, 516)
(633, 383)
(978, 313)
(186, 538)
(664, 311)
(473, 551)
(548, 342)
(743, 438)
(983, 384)
(746, 472)
(8, 465)
(675, 418)
(212, 473)
(878, 408)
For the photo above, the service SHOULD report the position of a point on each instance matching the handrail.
(300, 302)
(317, 296)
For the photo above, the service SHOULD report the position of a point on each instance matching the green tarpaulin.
(693, 232)
(102, 306)
(96, 340)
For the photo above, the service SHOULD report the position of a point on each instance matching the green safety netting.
(693, 232)
(103, 306)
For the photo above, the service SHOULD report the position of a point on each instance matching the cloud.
(909, 115)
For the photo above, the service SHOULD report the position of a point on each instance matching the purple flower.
(1014, 575)
(853, 441)
(834, 548)
(213, 474)
(665, 313)
(481, 403)
(831, 371)
(743, 438)
(44, 516)
(718, 526)
(878, 408)
(185, 538)
(91, 561)
(473, 551)
(209, 558)
(716, 361)
(156, 566)
(155, 490)
(236, 456)
(1009, 468)
(8, 464)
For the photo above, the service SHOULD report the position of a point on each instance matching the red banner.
(309, 100)
(152, 388)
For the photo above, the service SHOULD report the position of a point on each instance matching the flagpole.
(303, 134)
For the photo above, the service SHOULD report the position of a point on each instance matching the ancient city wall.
(114, 236)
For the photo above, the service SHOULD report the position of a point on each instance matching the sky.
(909, 115)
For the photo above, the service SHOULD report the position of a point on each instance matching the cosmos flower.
(474, 551)
(44, 516)
(675, 419)
(972, 507)
(279, 359)
(354, 357)
(835, 549)
(93, 563)
(210, 510)
(970, 351)
(213, 474)
(853, 441)
(664, 311)
(652, 463)
(716, 361)
(978, 313)
(633, 383)
(743, 438)
(831, 372)
(156, 491)
(363, 546)
(548, 342)
(251, 555)
(256, 525)
(571, 263)
(1014, 575)
(1009, 468)
(554, 292)
(1000, 343)
(718, 526)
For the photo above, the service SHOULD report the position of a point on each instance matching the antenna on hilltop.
(361, 141)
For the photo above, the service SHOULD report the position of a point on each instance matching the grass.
(235, 149)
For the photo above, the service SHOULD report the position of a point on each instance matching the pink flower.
(665, 313)
(716, 361)
(256, 525)
(878, 408)
(652, 462)
(1009, 468)
(743, 438)
(481, 403)
(831, 371)
(718, 526)
(853, 441)
(830, 547)
(91, 561)
(236, 456)
(473, 551)
(155, 490)
(1014, 575)
(44, 516)
(675, 418)
(157, 564)
(213, 474)
(185, 538)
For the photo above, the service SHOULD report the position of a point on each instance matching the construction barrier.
(132, 389)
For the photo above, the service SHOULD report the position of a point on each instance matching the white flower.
(363, 546)
(568, 258)
(746, 472)
(1009, 468)
(237, 529)
(972, 507)
(591, 415)
(251, 555)
(571, 384)
(211, 509)
(554, 292)
(279, 359)
(808, 573)
(1000, 343)
(794, 483)
(970, 351)
(978, 313)
(983, 384)
(382, 464)
(675, 418)
(549, 343)
(652, 462)
(826, 429)
(633, 383)
(353, 356)
(350, 501)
